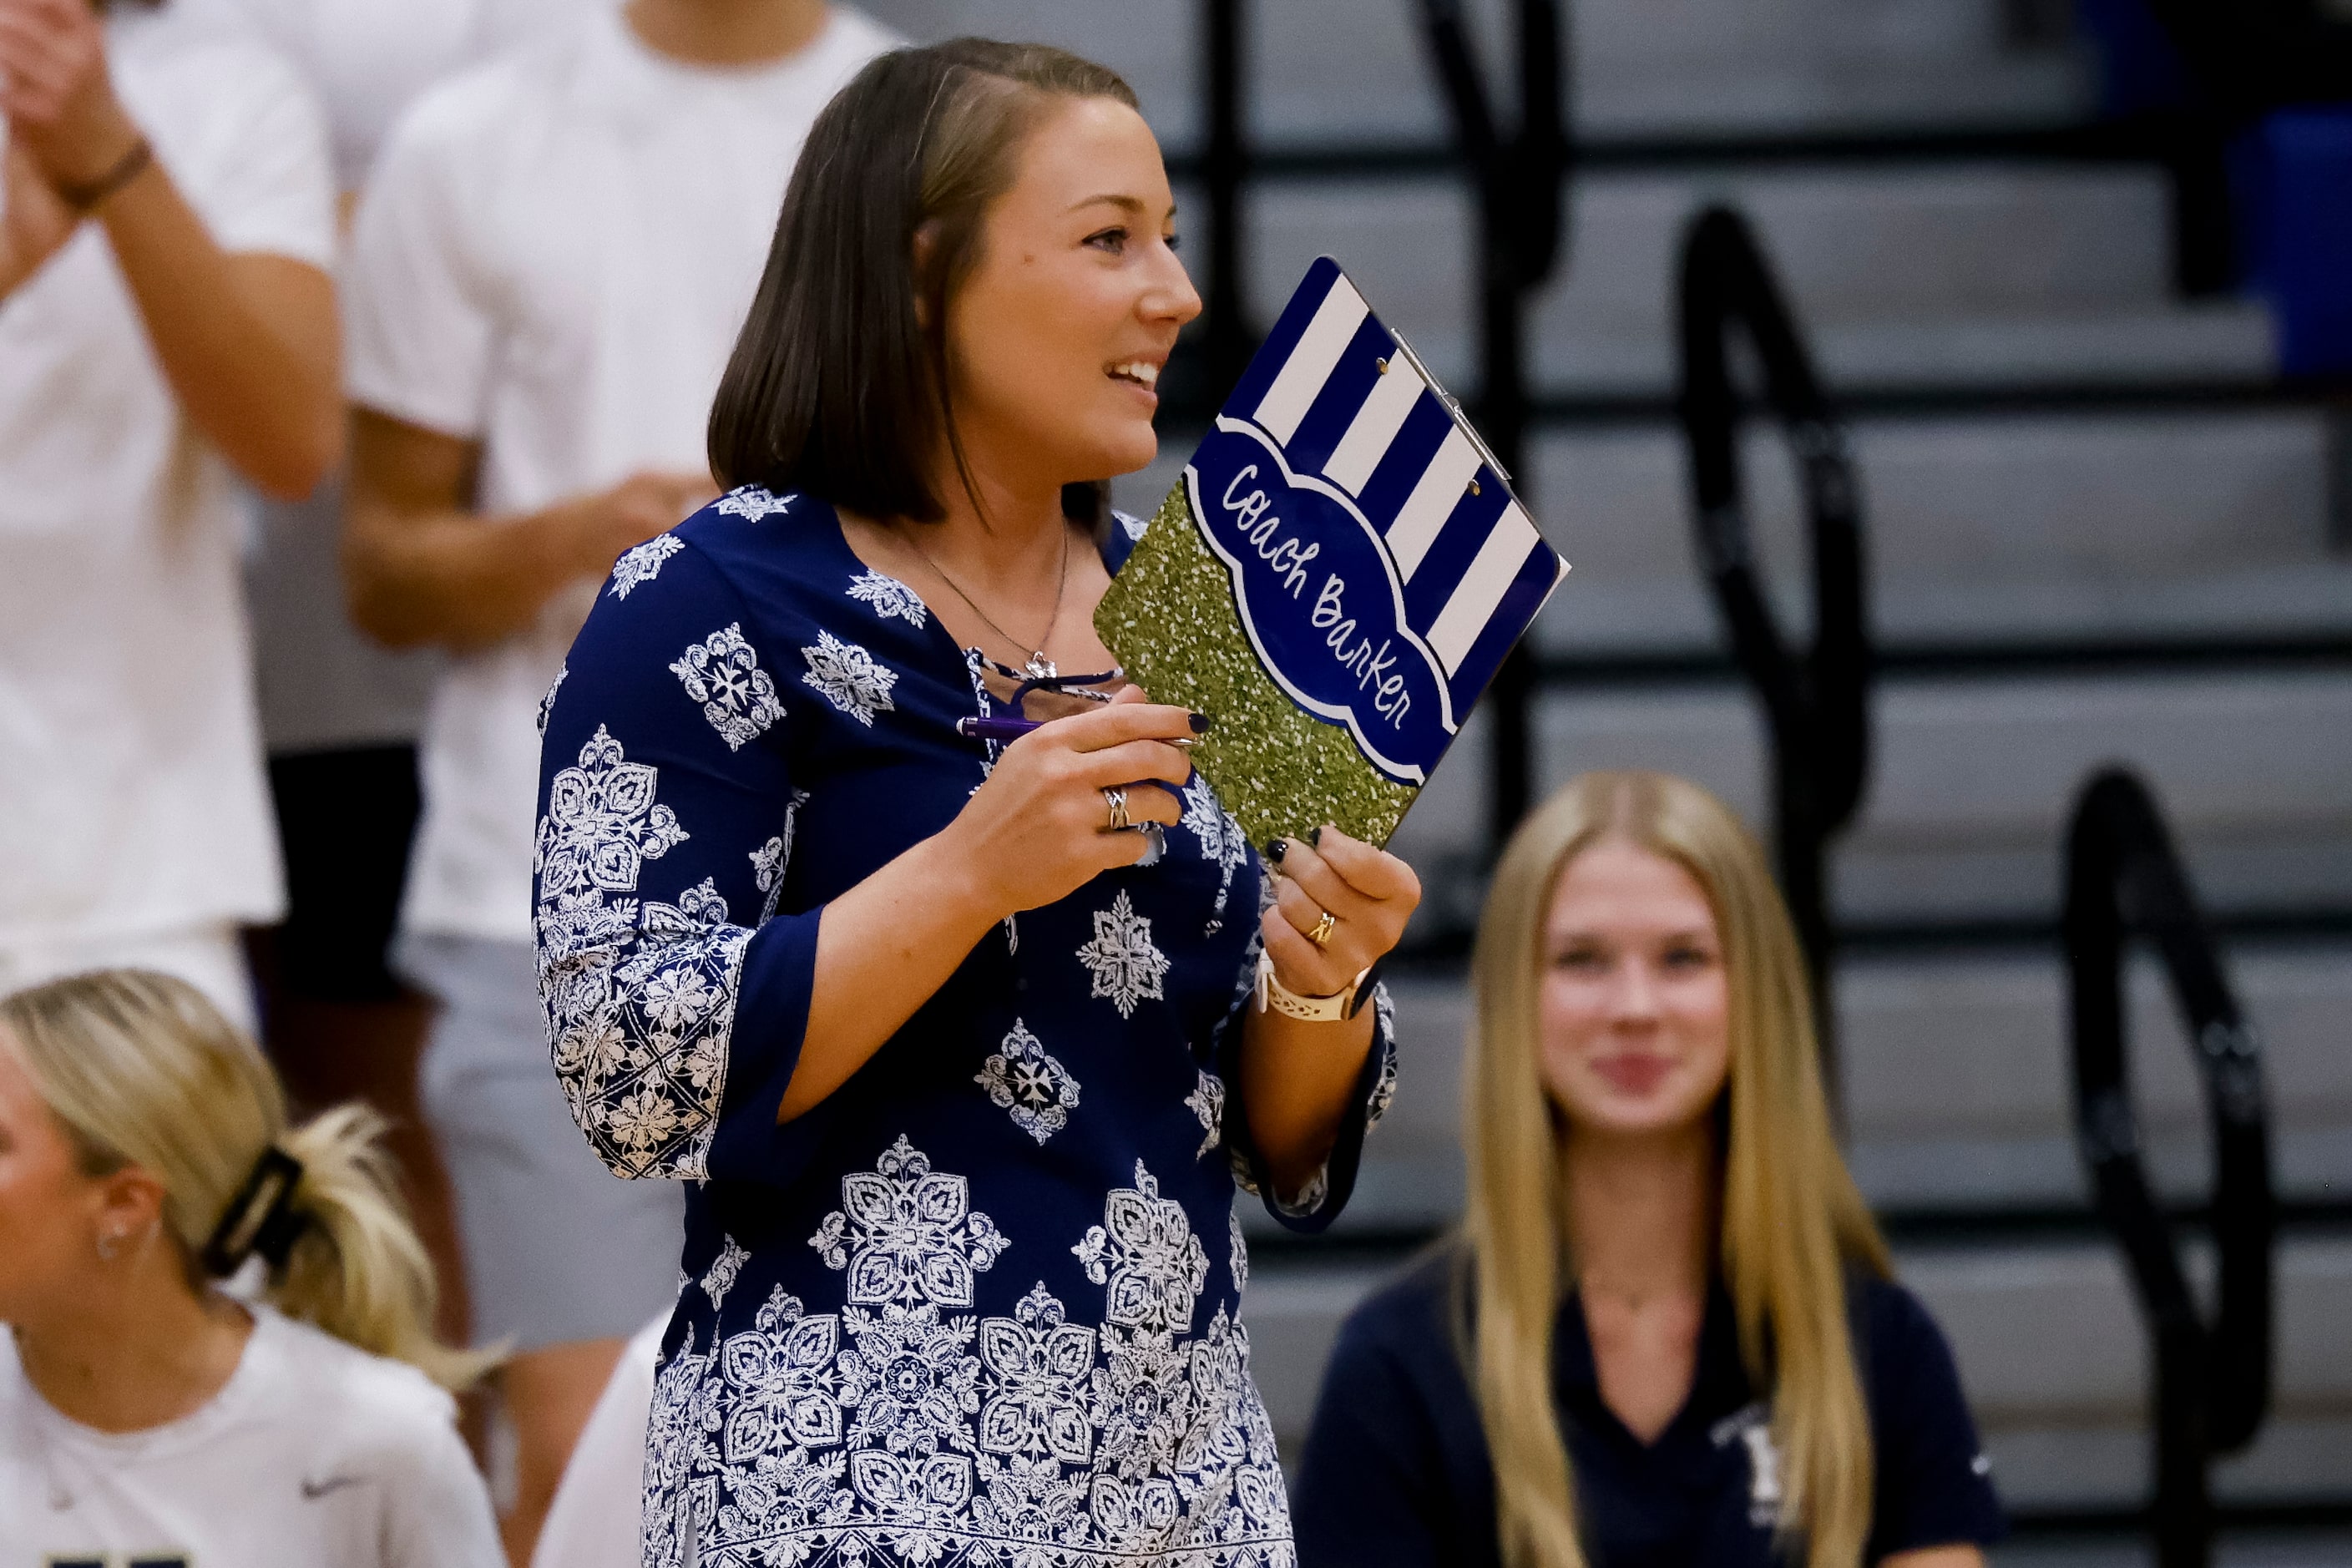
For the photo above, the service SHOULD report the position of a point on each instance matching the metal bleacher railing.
(1816, 704)
(2212, 1383)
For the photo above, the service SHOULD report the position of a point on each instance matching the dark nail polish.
(1200, 724)
(1273, 848)
(1315, 839)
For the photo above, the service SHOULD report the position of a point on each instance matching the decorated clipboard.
(1335, 579)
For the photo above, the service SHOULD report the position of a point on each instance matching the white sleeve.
(438, 1509)
(275, 192)
(419, 328)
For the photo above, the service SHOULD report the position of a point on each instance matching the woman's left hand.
(1368, 893)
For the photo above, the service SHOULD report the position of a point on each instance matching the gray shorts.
(557, 1248)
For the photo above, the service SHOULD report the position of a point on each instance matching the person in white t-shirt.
(548, 271)
(147, 1414)
(341, 712)
(166, 317)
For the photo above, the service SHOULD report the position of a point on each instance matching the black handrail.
(2213, 1385)
(1228, 338)
(1521, 183)
(1816, 706)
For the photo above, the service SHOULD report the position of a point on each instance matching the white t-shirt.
(597, 1516)
(314, 1455)
(131, 793)
(554, 257)
(320, 682)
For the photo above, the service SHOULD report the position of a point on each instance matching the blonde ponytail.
(140, 1069)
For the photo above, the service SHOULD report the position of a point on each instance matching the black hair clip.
(260, 1218)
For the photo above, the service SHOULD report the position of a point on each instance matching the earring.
(110, 1243)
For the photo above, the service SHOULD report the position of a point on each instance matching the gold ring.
(1117, 800)
(1323, 928)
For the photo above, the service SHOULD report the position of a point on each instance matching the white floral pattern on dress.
(1208, 1103)
(889, 597)
(642, 563)
(881, 1438)
(1023, 1080)
(752, 503)
(907, 1233)
(1133, 525)
(723, 674)
(720, 1276)
(1125, 966)
(1038, 1365)
(846, 676)
(1145, 1252)
(771, 860)
(1222, 843)
(911, 1379)
(547, 703)
(640, 998)
(1237, 1251)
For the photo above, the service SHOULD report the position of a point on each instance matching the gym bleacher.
(2104, 526)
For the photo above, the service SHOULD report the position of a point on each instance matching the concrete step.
(2051, 1353)
(2043, 525)
(1339, 70)
(1955, 1085)
(1992, 271)
(1973, 779)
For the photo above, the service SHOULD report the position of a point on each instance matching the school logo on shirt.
(1751, 1427)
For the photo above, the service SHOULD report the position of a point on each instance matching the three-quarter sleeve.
(674, 984)
(1326, 1193)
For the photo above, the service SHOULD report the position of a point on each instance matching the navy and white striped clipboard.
(1336, 577)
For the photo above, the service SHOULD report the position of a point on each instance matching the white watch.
(1271, 993)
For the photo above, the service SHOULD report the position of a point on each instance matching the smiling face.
(1057, 336)
(1635, 1009)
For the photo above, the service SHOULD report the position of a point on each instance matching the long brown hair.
(839, 385)
(140, 1070)
(1793, 1223)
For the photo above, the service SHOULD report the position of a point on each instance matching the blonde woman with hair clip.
(148, 1414)
(1667, 1332)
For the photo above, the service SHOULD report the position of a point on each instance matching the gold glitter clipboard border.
(1171, 619)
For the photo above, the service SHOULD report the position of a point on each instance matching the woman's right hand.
(1039, 828)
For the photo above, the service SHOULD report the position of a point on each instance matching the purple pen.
(985, 727)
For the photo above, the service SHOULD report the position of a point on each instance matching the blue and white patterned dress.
(980, 1305)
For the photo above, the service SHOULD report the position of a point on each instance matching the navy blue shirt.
(1396, 1473)
(981, 1303)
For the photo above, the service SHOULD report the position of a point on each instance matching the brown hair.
(838, 385)
(1793, 1223)
(140, 1070)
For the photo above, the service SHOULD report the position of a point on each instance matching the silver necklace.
(1038, 667)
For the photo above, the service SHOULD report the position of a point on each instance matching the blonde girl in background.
(146, 1412)
(1667, 1332)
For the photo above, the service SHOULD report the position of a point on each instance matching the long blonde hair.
(140, 1070)
(1793, 1220)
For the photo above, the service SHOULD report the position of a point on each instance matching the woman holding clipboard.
(958, 1039)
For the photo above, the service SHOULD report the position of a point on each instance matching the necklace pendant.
(1040, 668)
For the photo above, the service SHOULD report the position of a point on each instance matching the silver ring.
(1115, 798)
